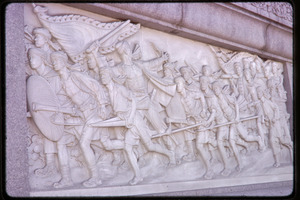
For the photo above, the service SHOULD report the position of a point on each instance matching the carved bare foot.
(48, 170)
(209, 174)
(92, 182)
(136, 180)
(65, 182)
(226, 172)
(189, 157)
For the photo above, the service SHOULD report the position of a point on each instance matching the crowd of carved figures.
(171, 110)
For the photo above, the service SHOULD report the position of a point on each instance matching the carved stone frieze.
(280, 9)
(113, 103)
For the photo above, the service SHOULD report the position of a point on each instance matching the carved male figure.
(230, 109)
(222, 131)
(87, 94)
(272, 116)
(125, 107)
(133, 73)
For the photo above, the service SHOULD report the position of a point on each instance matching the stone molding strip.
(165, 187)
(221, 24)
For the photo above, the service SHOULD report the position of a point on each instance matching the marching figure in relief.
(193, 103)
(37, 58)
(125, 107)
(133, 73)
(272, 117)
(222, 131)
(90, 98)
(230, 109)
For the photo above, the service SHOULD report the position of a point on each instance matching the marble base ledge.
(164, 187)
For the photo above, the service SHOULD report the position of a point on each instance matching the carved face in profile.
(40, 40)
(180, 84)
(91, 61)
(59, 60)
(35, 57)
(186, 73)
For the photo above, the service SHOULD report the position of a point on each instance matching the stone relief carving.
(95, 120)
(280, 9)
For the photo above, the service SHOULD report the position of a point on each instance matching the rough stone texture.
(17, 184)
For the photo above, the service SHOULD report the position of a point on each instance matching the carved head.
(42, 36)
(253, 67)
(260, 92)
(206, 71)
(180, 83)
(187, 73)
(258, 65)
(217, 87)
(105, 73)
(238, 68)
(59, 60)
(36, 57)
(248, 76)
(91, 61)
(267, 70)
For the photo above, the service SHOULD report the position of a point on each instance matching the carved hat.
(42, 31)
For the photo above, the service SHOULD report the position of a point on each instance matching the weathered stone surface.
(17, 184)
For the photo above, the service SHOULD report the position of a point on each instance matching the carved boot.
(66, 180)
(94, 180)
